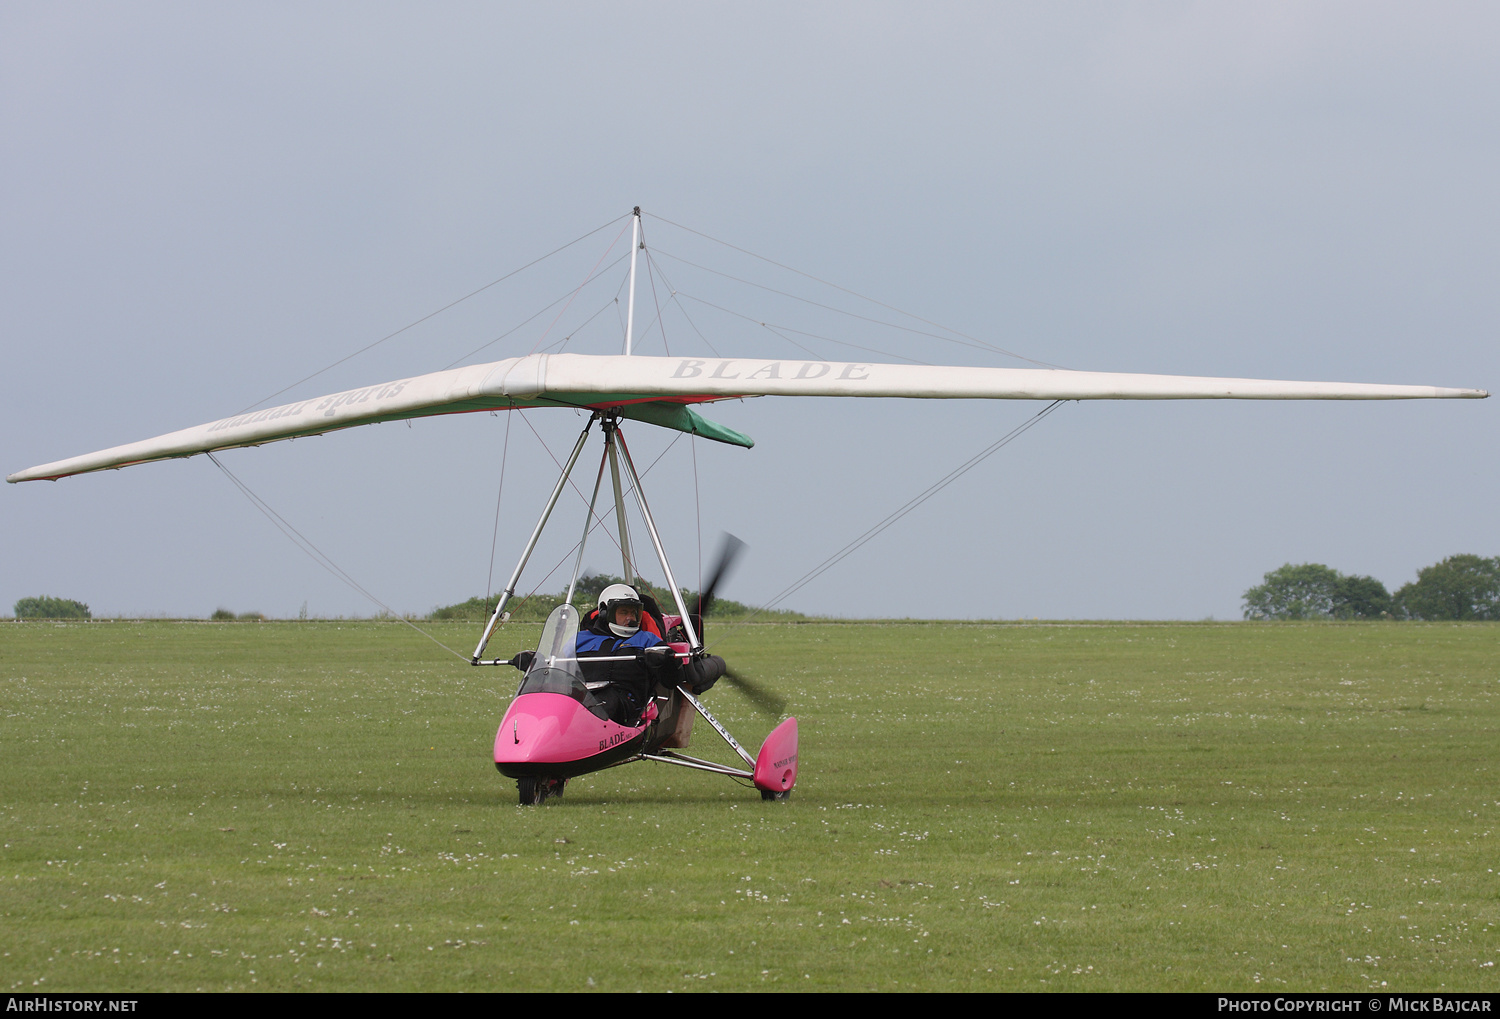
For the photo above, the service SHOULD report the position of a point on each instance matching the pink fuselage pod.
(776, 764)
(553, 735)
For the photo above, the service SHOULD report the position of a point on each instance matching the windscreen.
(555, 668)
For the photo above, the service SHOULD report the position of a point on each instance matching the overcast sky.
(202, 204)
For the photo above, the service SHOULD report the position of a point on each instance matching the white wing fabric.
(659, 389)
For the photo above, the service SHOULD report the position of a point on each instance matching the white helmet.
(611, 598)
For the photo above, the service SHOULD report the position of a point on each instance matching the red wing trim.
(661, 399)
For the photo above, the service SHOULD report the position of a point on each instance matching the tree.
(1361, 598)
(592, 584)
(1459, 587)
(47, 607)
(1294, 592)
(1315, 591)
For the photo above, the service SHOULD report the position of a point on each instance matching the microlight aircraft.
(555, 728)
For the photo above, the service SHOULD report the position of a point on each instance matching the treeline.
(537, 607)
(47, 607)
(1459, 587)
(534, 608)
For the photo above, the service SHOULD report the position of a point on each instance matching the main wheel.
(554, 787)
(771, 794)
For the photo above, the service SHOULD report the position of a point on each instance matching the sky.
(201, 205)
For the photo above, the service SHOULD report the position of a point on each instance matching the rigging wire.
(598, 522)
(675, 298)
(651, 277)
(799, 346)
(801, 332)
(592, 273)
(322, 559)
(318, 556)
(563, 343)
(424, 318)
(825, 307)
(517, 327)
(306, 545)
(619, 310)
(901, 511)
(855, 293)
(620, 313)
(489, 580)
(571, 483)
(649, 325)
(598, 516)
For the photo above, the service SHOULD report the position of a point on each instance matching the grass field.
(981, 807)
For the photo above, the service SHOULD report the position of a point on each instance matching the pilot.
(617, 624)
(616, 630)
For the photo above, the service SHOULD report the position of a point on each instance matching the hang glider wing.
(659, 390)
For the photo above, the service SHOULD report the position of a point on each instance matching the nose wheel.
(534, 791)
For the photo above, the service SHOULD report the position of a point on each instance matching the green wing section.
(684, 419)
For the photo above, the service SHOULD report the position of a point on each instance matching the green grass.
(981, 806)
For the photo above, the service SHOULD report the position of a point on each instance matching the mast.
(635, 246)
(609, 432)
(614, 469)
